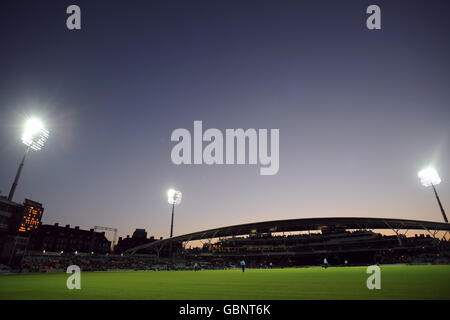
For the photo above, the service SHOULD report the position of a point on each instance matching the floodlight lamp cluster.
(429, 177)
(174, 196)
(34, 135)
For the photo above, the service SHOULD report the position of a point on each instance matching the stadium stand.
(278, 244)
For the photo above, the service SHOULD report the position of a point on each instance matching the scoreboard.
(32, 216)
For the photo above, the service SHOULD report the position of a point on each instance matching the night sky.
(360, 111)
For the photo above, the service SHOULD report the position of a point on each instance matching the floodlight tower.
(173, 197)
(430, 177)
(34, 137)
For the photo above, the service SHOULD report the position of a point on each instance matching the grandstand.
(280, 243)
(308, 241)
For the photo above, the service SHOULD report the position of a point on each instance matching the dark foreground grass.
(397, 282)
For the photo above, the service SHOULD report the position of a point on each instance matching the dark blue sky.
(359, 111)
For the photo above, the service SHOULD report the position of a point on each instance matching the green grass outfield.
(397, 282)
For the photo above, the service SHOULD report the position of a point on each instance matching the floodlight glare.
(173, 197)
(34, 135)
(429, 177)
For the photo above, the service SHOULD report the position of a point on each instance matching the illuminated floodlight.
(34, 135)
(429, 177)
(174, 197)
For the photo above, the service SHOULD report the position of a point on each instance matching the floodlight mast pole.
(171, 225)
(19, 171)
(440, 204)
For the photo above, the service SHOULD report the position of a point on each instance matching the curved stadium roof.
(302, 225)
